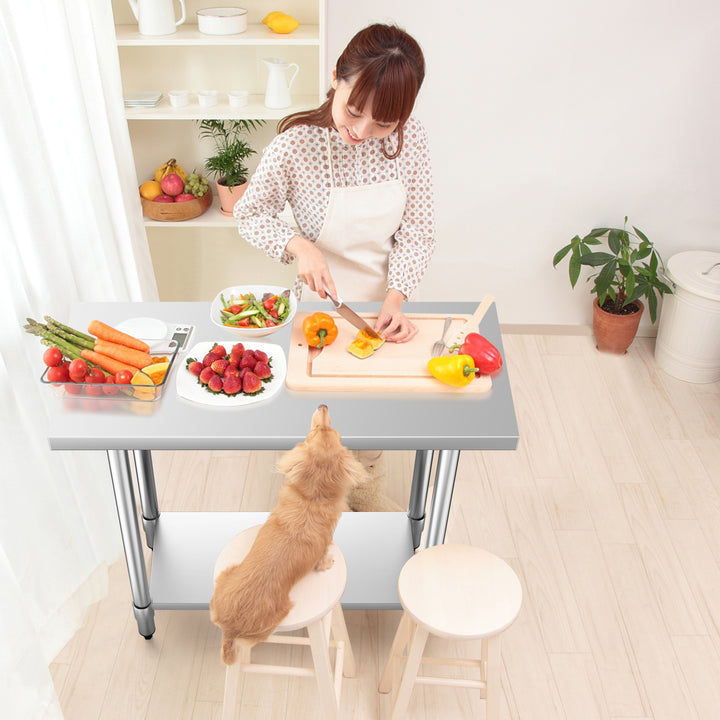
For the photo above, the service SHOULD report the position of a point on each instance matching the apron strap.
(330, 165)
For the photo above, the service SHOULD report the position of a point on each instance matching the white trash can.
(688, 339)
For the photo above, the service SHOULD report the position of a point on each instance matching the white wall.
(547, 119)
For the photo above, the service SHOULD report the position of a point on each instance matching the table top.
(375, 421)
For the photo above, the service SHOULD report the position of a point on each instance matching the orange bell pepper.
(319, 329)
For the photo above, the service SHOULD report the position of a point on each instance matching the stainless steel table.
(185, 544)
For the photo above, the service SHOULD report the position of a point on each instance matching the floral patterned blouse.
(294, 169)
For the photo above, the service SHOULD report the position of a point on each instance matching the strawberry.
(195, 367)
(262, 370)
(206, 374)
(219, 365)
(231, 370)
(232, 385)
(248, 361)
(238, 349)
(219, 350)
(215, 383)
(210, 358)
(260, 356)
(251, 383)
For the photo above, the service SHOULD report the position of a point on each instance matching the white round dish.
(258, 291)
(179, 98)
(188, 387)
(238, 98)
(222, 20)
(208, 98)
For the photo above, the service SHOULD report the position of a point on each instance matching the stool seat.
(313, 596)
(459, 591)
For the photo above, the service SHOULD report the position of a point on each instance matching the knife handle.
(337, 303)
(474, 321)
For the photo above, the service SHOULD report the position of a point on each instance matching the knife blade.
(352, 317)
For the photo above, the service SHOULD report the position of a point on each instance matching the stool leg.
(412, 666)
(492, 678)
(339, 631)
(398, 645)
(323, 671)
(233, 675)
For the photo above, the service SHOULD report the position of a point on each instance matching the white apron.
(358, 234)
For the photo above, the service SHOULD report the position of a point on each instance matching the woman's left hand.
(392, 324)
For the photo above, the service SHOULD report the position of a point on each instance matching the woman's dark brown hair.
(384, 62)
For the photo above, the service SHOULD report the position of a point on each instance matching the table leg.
(442, 496)
(418, 493)
(148, 493)
(119, 461)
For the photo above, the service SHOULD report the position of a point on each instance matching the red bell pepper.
(485, 355)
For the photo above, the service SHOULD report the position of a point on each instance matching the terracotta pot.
(615, 333)
(229, 196)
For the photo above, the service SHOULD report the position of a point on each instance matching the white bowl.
(179, 98)
(222, 20)
(258, 291)
(238, 98)
(207, 98)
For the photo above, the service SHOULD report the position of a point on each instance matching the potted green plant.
(630, 269)
(227, 165)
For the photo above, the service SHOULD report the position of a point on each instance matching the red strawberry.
(232, 385)
(262, 370)
(231, 370)
(242, 372)
(250, 353)
(219, 365)
(219, 350)
(206, 374)
(195, 367)
(260, 356)
(215, 383)
(248, 361)
(251, 383)
(210, 358)
(238, 349)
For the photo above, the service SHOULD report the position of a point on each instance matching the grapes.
(196, 184)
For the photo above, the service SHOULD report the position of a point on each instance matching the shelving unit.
(191, 60)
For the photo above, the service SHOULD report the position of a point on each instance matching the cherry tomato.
(52, 357)
(94, 379)
(245, 322)
(235, 309)
(58, 373)
(78, 369)
(269, 323)
(123, 377)
(273, 312)
(110, 388)
(267, 304)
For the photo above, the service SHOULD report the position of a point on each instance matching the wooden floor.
(609, 511)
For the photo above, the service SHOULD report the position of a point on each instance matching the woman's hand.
(313, 269)
(391, 323)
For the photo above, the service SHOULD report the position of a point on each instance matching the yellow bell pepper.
(455, 370)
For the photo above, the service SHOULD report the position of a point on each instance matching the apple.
(172, 184)
(164, 198)
(184, 197)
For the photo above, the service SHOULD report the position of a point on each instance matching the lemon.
(281, 23)
(150, 189)
(156, 372)
(271, 16)
(141, 380)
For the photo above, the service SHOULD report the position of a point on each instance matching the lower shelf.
(186, 545)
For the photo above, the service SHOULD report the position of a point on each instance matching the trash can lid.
(697, 271)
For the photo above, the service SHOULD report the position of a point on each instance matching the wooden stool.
(317, 608)
(458, 592)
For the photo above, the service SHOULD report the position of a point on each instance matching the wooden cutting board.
(394, 367)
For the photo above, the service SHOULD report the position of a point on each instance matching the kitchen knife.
(352, 317)
(473, 322)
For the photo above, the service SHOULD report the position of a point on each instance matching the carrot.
(104, 332)
(107, 363)
(123, 353)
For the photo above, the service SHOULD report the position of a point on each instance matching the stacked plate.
(149, 98)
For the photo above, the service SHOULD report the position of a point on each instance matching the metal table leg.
(129, 529)
(442, 496)
(418, 494)
(148, 493)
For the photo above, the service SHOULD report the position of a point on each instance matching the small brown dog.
(251, 599)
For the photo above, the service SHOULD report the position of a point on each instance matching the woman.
(356, 173)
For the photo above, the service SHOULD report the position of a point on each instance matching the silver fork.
(439, 345)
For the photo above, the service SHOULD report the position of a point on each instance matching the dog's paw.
(325, 564)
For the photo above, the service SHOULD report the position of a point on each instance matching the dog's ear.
(352, 470)
(291, 458)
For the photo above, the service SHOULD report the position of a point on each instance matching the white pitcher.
(156, 17)
(277, 92)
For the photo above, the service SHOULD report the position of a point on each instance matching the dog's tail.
(229, 652)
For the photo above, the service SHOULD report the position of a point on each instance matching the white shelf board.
(187, 544)
(255, 109)
(256, 34)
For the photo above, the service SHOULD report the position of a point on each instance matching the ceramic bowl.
(258, 291)
(222, 20)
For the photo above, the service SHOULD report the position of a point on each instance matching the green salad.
(249, 311)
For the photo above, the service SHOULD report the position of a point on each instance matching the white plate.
(188, 387)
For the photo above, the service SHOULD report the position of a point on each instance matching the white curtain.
(70, 230)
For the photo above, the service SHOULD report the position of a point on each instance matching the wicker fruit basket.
(176, 212)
